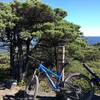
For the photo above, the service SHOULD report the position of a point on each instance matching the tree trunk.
(25, 67)
(12, 64)
(20, 61)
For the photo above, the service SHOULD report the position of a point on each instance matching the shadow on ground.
(20, 95)
(10, 97)
(96, 97)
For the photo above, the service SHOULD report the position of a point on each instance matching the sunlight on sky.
(5, 0)
(90, 31)
(82, 12)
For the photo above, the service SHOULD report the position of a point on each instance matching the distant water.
(93, 39)
(90, 39)
(3, 49)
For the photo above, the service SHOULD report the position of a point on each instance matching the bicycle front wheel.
(32, 86)
(78, 87)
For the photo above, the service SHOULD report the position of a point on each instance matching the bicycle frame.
(47, 73)
(95, 78)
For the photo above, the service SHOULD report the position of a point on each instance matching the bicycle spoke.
(78, 87)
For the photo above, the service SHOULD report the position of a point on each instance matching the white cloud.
(90, 31)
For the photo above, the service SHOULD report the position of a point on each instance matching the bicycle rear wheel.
(78, 87)
(32, 86)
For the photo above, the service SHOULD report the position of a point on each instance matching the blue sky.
(82, 12)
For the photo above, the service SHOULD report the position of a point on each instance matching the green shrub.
(4, 67)
(4, 59)
(76, 66)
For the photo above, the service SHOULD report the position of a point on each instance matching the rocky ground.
(11, 94)
(45, 93)
(16, 93)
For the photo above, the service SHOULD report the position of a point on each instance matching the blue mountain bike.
(66, 89)
(33, 85)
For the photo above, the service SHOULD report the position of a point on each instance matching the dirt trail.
(8, 92)
(11, 94)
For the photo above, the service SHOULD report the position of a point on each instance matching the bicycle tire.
(33, 86)
(76, 90)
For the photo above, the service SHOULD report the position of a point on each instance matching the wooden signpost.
(60, 58)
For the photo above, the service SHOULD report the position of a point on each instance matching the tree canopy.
(20, 22)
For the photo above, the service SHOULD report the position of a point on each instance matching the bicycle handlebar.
(34, 59)
(63, 64)
(30, 57)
